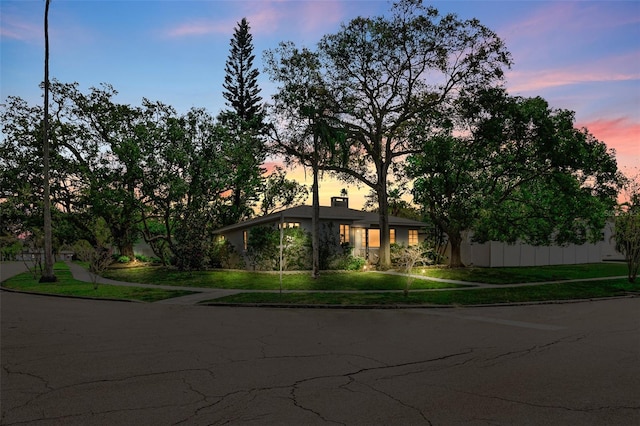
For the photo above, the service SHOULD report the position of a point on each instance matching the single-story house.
(359, 229)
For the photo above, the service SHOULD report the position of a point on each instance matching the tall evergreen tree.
(244, 119)
(241, 81)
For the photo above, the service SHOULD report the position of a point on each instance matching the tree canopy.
(384, 79)
(521, 171)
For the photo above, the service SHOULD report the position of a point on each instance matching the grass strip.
(527, 274)
(537, 293)
(245, 280)
(69, 286)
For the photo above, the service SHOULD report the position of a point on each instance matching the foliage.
(143, 169)
(186, 174)
(521, 172)
(381, 80)
(224, 255)
(263, 248)
(100, 255)
(347, 262)
(397, 204)
(123, 259)
(278, 192)
(10, 247)
(241, 78)
(142, 258)
(245, 122)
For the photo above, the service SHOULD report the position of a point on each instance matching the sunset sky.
(579, 55)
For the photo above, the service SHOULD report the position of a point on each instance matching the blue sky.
(579, 55)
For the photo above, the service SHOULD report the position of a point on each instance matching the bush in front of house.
(222, 254)
(263, 249)
(347, 262)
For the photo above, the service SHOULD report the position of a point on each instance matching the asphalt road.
(85, 362)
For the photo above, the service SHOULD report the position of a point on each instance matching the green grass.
(68, 286)
(269, 281)
(538, 293)
(527, 274)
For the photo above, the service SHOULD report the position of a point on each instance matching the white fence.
(497, 254)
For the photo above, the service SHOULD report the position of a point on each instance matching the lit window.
(413, 237)
(344, 234)
(374, 238)
(392, 236)
(287, 225)
(245, 239)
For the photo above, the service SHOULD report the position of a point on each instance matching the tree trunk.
(385, 251)
(127, 250)
(456, 243)
(47, 275)
(315, 219)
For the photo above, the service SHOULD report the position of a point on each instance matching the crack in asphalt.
(51, 389)
(295, 386)
(352, 380)
(535, 348)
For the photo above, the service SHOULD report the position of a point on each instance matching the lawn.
(69, 286)
(245, 280)
(361, 281)
(527, 274)
(537, 293)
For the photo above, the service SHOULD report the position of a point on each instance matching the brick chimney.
(339, 202)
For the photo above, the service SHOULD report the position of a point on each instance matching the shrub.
(222, 254)
(123, 259)
(142, 258)
(263, 250)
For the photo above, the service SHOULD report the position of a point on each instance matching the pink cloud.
(620, 68)
(566, 17)
(201, 27)
(14, 28)
(622, 134)
(268, 17)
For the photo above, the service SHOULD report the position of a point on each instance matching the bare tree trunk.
(383, 211)
(47, 275)
(456, 243)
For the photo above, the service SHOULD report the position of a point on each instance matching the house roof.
(356, 218)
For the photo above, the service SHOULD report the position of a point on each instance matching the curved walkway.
(9, 269)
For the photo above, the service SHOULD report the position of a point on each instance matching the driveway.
(85, 362)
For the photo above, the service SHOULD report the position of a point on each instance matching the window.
(392, 236)
(287, 225)
(344, 234)
(245, 238)
(373, 238)
(413, 237)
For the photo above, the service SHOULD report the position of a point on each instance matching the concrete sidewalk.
(201, 293)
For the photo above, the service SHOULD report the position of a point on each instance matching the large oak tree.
(385, 79)
(512, 168)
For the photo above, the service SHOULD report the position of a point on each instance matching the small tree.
(627, 228)
(99, 256)
(406, 258)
